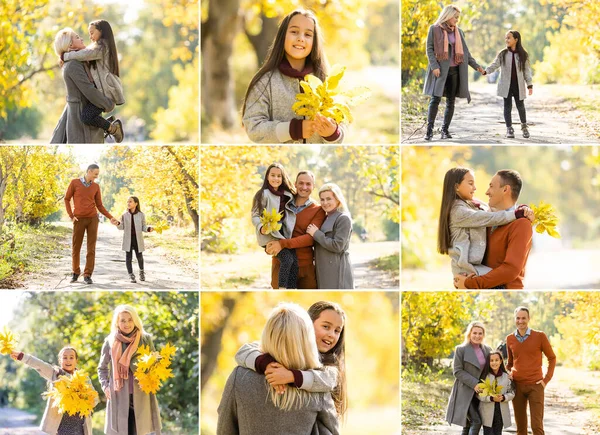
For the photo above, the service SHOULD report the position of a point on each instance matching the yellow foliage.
(489, 388)
(73, 394)
(8, 342)
(153, 367)
(160, 227)
(545, 219)
(270, 221)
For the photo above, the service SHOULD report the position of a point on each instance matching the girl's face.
(125, 323)
(466, 189)
(328, 327)
(131, 204)
(495, 362)
(68, 360)
(299, 37)
(454, 20)
(95, 34)
(510, 40)
(329, 202)
(275, 178)
(476, 335)
(76, 42)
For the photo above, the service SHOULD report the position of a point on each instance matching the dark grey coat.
(80, 91)
(467, 373)
(434, 86)
(245, 409)
(332, 260)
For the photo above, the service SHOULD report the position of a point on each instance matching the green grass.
(181, 247)
(390, 263)
(242, 281)
(591, 400)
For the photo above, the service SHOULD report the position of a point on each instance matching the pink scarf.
(120, 360)
(440, 43)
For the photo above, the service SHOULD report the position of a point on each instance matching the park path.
(17, 422)
(552, 120)
(110, 272)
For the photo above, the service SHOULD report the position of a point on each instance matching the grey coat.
(467, 373)
(468, 235)
(269, 111)
(315, 381)
(147, 414)
(80, 92)
(51, 419)
(486, 407)
(524, 78)
(108, 83)
(270, 201)
(139, 220)
(435, 86)
(246, 409)
(332, 260)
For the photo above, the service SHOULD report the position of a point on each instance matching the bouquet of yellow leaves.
(8, 341)
(326, 98)
(153, 367)
(73, 394)
(270, 221)
(160, 227)
(489, 388)
(545, 219)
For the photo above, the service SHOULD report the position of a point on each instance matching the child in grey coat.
(133, 223)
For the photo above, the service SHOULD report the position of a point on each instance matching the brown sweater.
(507, 250)
(525, 359)
(301, 241)
(85, 200)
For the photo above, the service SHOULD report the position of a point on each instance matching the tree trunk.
(193, 214)
(265, 38)
(222, 26)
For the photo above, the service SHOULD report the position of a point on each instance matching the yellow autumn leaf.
(160, 227)
(489, 388)
(270, 221)
(73, 394)
(153, 368)
(8, 342)
(545, 219)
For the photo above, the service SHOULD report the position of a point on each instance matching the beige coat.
(486, 407)
(139, 220)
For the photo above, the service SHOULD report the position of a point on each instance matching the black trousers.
(288, 269)
(497, 425)
(450, 91)
(131, 429)
(129, 256)
(514, 93)
(90, 115)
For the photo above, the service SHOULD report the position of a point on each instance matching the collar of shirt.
(298, 208)
(85, 183)
(522, 338)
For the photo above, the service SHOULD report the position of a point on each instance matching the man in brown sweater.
(307, 212)
(508, 245)
(525, 347)
(87, 202)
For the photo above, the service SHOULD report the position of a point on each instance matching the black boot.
(432, 111)
(429, 134)
(445, 133)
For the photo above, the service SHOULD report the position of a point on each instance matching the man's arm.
(547, 350)
(519, 243)
(68, 196)
(100, 206)
(509, 359)
(75, 71)
(305, 239)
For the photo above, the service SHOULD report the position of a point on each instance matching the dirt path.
(16, 422)
(110, 272)
(552, 120)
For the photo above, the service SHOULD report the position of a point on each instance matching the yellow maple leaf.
(270, 221)
(8, 342)
(160, 227)
(545, 219)
(153, 368)
(168, 351)
(73, 394)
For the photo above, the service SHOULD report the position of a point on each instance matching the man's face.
(304, 185)
(496, 191)
(92, 174)
(522, 319)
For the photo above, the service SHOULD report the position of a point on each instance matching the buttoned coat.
(80, 92)
(147, 414)
(486, 407)
(269, 111)
(139, 220)
(467, 373)
(435, 86)
(270, 201)
(524, 78)
(246, 409)
(332, 259)
(51, 419)
(468, 235)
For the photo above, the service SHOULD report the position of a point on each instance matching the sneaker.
(142, 276)
(74, 277)
(88, 280)
(525, 131)
(510, 132)
(132, 278)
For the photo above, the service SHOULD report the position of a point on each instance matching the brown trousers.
(80, 227)
(307, 278)
(534, 394)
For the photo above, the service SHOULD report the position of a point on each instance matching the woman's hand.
(311, 229)
(436, 72)
(276, 374)
(324, 126)
(478, 389)
(308, 128)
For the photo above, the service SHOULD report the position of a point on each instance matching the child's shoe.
(142, 276)
(524, 130)
(510, 133)
(132, 278)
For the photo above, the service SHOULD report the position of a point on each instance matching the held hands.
(324, 126)
(436, 72)
(311, 229)
(481, 71)
(114, 221)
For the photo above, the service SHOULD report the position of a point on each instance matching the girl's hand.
(325, 126)
(15, 354)
(497, 398)
(530, 91)
(150, 229)
(436, 72)
(276, 374)
(311, 229)
(107, 393)
(308, 128)
(529, 214)
(262, 230)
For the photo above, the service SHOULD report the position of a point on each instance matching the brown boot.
(116, 130)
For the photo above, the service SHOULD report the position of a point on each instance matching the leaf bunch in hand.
(545, 219)
(270, 221)
(8, 342)
(73, 394)
(153, 367)
(489, 388)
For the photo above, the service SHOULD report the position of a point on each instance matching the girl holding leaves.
(267, 112)
(129, 411)
(133, 223)
(273, 219)
(494, 409)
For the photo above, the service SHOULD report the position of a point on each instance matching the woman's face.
(328, 327)
(495, 362)
(76, 42)
(476, 335)
(466, 189)
(454, 20)
(329, 202)
(299, 37)
(275, 178)
(95, 34)
(125, 323)
(510, 40)
(68, 360)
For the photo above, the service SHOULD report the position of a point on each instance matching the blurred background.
(157, 41)
(567, 177)
(372, 360)
(363, 35)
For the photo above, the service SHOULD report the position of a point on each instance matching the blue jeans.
(473, 426)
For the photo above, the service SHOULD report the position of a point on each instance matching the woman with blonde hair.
(332, 259)
(129, 411)
(469, 363)
(251, 406)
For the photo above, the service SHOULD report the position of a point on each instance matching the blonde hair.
(62, 41)
(470, 329)
(289, 337)
(337, 192)
(114, 326)
(447, 13)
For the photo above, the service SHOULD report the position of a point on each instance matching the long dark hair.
(107, 38)
(286, 186)
(523, 55)
(487, 370)
(137, 204)
(276, 52)
(335, 356)
(452, 179)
